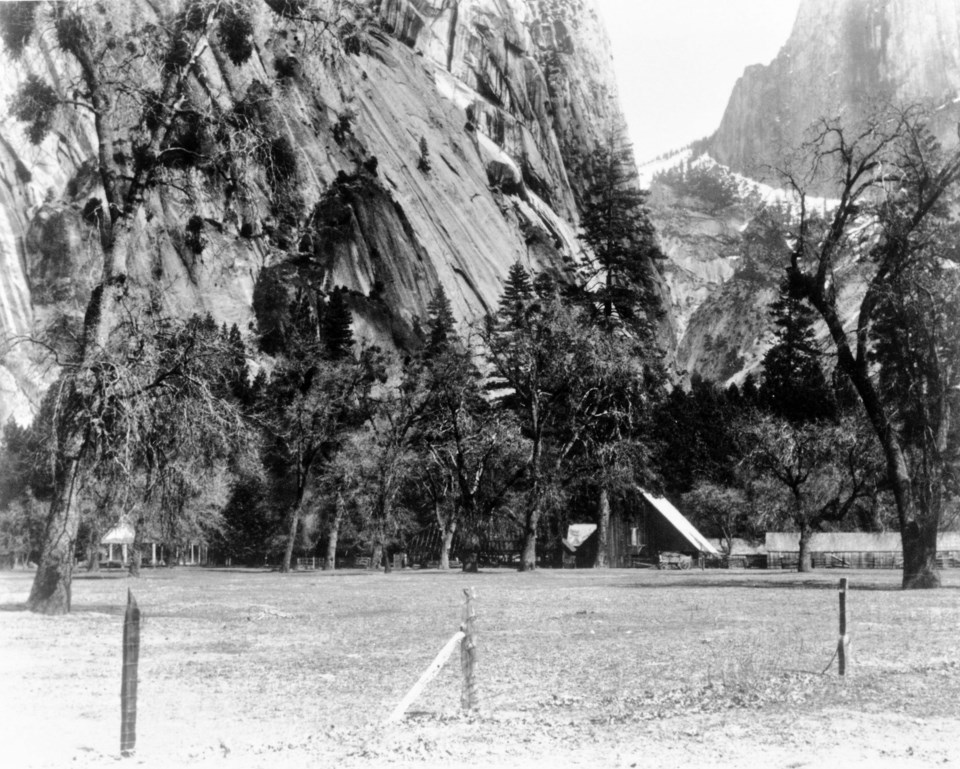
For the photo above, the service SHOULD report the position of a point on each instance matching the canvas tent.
(577, 534)
(692, 539)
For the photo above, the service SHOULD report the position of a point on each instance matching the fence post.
(844, 641)
(128, 685)
(469, 699)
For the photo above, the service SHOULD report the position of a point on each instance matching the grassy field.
(576, 668)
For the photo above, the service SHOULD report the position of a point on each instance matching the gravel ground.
(616, 668)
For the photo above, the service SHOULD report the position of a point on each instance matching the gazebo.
(119, 541)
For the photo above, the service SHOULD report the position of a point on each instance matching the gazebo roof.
(121, 534)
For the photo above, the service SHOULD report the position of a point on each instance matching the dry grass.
(586, 668)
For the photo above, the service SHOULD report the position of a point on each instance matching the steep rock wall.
(509, 97)
(843, 57)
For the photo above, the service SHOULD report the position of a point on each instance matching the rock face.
(505, 97)
(844, 56)
(719, 288)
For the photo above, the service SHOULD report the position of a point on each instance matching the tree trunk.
(805, 562)
(50, 593)
(918, 534)
(471, 553)
(920, 568)
(136, 549)
(446, 543)
(93, 551)
(377, 556)
(603, 530)
(528, 559)
(291, 538)
(333, 536)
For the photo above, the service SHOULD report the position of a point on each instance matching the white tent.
(686, 529)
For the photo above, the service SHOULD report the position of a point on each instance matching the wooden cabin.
(640, 533)
(853, 550)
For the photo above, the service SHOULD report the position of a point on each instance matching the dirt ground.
(620, 668)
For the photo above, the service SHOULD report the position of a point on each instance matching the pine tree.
(335, 327)
(617, 228)
(440, 324)
(517, 296)
(794, 386)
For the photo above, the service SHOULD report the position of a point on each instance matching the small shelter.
(119, 548)
(119, 542)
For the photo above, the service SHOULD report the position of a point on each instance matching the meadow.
(617, 668)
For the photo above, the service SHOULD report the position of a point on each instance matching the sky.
(678, 60)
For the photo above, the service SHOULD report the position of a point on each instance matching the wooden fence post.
(128, 686)
(469, 699)
(844, 641)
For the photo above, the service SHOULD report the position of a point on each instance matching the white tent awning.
(680, 523)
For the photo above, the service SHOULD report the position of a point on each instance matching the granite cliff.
(844, 57)
(504, 98)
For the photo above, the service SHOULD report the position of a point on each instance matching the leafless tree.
(894, 186)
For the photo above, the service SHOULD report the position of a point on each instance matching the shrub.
(236, 34)
(424, 162)
(16, 25)
(193, 236)
(35, 103)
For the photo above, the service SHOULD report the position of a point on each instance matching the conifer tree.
(440, 324)
(794, 386)
(517, 296)
(335, 327)
(617, 228)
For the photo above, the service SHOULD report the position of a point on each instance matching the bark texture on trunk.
(51, 590)
(528, 559)
(920, 570)
(333, 537)
(445, 544)
(93, 554)
(471, 553)
(136, 549)
(805, 561)
(330, 559)
(293, 523)
(603, 530)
